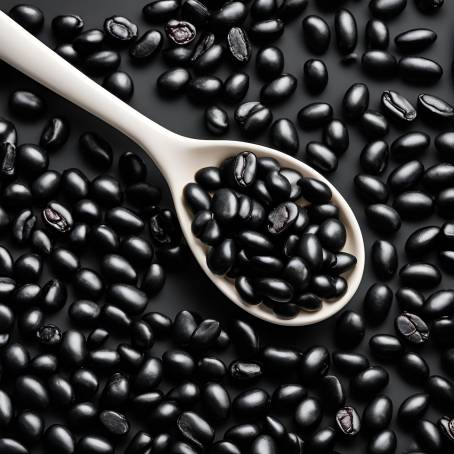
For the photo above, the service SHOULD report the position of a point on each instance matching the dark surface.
(190, 288)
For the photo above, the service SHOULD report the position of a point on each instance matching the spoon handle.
(30, 56)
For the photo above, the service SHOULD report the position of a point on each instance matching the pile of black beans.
(121, 378)
(280, 253)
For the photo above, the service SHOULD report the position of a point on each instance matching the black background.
(190, 288)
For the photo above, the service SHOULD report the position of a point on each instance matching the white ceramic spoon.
(178, 158)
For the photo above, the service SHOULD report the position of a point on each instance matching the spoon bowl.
(177, 157)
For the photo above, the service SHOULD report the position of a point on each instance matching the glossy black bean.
(89, 41)
(216, 401)
(412, 409)
(284, 136)
(253, 117)
(441, 391)
(350, 329)
(405, 176)
(315, 76)
(369, 382)
(195, 429)
(316, 34)
(216, 120)
(439, 304)
(278, 90)
(314, 364)
(371, 188)
(355, 101)
(263, 9)
(308, 414)
(438, 177)
(415, 40)
(204, 89)
(445, 202)
(384, 442)
(269, 62)
(74, 184)
(336, 137)
(409, 299)
(422, 241)
(420, 70)
(173, 81)
(377, 35)
(435, 110)
(267, 30)
(235, 87)
(46, 185)
(374, 157)
(429, 6)
(377, 414)
(31, 160)
(102, 62)
(333, 392)
(94, 444)
(67, 27)
(315, 115)
(420, 275)
(60, 391)
(120, 84)
(386, 347)
(321, 157)
(384, 259)
(28, 16)
(387, 9)
(379, 64)
(383, 218)
(221, 258)
(96, 150)
(290, 9)
(55, 134)
(373, 124)
(146, 46)
(350, 363)
(68, 52)
(428, 436)
(397, 107)
(346, 31)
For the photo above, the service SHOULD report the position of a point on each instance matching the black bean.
(373, 124)
(67, 26)
(159, 11)
(405, 176)
(253, 117)
(278, 90)
(384, 442)
(96, 150)
(429, 6)
(422, 241)
(412, 409)
(369, 382)
(377, 414)
(127, 297)
(439, 304)
(350, 363)
(428, 436)
(290, 9)
(204, 89)
(315, 76)
(28, 16)
(221, 258)
(386, 347)
(316, 33)
(89, 41)
(384, 259)
(251, 403)
(355, 101)
(350, 329)
(124, 221)
(377, 35)
(68, 52)
(120, 84)
(31, 160)
(94, 444)
(383, 218)
(208, 59)
(146, 46)
(387, 9)
(231, 14)
(335, 136)
(420, 70)
(445, 201)
(30, 425)
(216, 120)
(23, 226)
(415, 40)
(333, 392)
(321, 157)
(195, 429)
(420, 275)
(371, 188)
(216, 401)
(102, 62)
(269, 62)
(435, 110)
(235, 87)
(379, 64)
(308, 414)
(266, 31)
(398, 107)
(28, 268)
(346, 31)
(315, 115)
(120, 29)
(409, 299)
